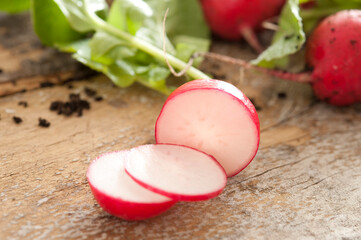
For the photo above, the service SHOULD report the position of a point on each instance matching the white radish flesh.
(214, 117)
(178, 172)
(118, 194)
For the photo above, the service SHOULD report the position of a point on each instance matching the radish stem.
(249, 35)
(319, 13)
(294, 77)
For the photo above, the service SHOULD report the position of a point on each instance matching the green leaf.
(139, 19)
(144, 19)
(127, 46)
(102, 43)
(50, 24)
(187, 45)
(287, 40)
(185, 18)
(14, 6)
(139, 66)
(330, 3)
(74, 12)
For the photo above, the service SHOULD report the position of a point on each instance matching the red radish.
(234, 19)
(334, 52)
(214, 117)
(179, 172)
(118, 194)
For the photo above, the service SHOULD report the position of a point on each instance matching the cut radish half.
(178, 172)
(118, 194)
(214, 117)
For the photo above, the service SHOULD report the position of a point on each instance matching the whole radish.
(334, 52)
(234, 19)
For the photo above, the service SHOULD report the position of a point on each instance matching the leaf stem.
(142, 45)
(320, 12)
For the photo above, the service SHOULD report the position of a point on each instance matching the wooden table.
(305, 182)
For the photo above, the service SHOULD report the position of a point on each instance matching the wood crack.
(67, 139)
(10, 175)
(274, 168)
(319, 181)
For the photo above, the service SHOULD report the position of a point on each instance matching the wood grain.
(303, 184)
(25, 63)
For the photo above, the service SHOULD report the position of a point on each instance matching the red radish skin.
(334, 52)
(178, 172)
(234, 19)
(215, 117)
(118, 194)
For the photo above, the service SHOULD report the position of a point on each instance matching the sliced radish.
(118, 194)
(214, 117)
(179, 172)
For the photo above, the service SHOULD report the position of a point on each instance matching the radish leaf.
(14, 6)
(50, 24)
(127, 40)
(287, 40)
(75, 14)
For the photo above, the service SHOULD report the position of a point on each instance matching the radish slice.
(178, 172)
(118, 194)
(214, 117)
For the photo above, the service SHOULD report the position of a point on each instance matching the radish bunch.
(234, 19)
(333, 51)
(208, 130)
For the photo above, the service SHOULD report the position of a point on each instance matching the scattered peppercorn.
(23, 103)
(17, 120)
(98, 98)
(90, 92)
(74, 105)
(43, 123)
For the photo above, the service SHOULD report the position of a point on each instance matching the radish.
(234, 19)
(214, 117)
(118, 194)
(178, 172)
(334, 52)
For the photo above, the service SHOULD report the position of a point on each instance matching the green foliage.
(287, 40)
(14, 6)
(124, 42)
(50, 24)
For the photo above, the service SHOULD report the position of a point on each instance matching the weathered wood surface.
(25, 63)
(305, 182)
